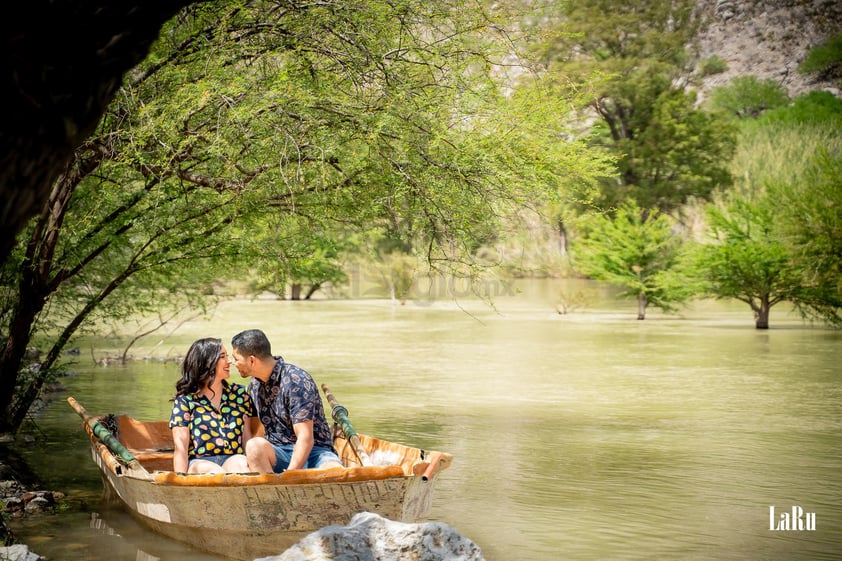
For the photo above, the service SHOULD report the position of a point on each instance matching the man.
(289, 406)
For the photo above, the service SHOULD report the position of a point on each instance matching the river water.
(584, 436)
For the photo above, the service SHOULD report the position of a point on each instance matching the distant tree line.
(276, 143)
(763, 169)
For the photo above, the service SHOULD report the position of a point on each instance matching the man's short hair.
(252, 342)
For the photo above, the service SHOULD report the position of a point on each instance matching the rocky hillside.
(768, 39)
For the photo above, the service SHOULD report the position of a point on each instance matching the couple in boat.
(211, 417)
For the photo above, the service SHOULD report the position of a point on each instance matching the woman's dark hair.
(199, 366)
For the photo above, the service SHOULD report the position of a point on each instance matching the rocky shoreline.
(19, 499)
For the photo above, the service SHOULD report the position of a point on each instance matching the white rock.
(18, 552)
(370, 537)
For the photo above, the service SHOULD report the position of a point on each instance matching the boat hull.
(246, 522)
(245, 516)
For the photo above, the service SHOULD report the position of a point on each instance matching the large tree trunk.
(29, 394)
(296, 291)
(35, 285)
(33, 291)
(562, 237)
(761, 313)
(62, 64)
(641, 305)
(30, 303)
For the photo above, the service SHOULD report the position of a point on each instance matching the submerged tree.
(641, 256)
(776, 237)
(748, 260)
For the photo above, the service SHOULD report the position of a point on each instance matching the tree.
(63, 63)
(748, 260)
(634, 55)
(246, 126)
(310, 257)
(776, 236)
(748, 96)
(812, 227)
(642, 256)
(119, 241)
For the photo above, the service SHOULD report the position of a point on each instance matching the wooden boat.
(250, 515)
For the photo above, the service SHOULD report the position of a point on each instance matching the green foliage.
(641, 254)
(812, 226)
(655, 32)
(258, 135)
(816, 109)
(781, 145)
(824, 60)
(305, 253)
(712, 65)
(633, 57)
(676, 156)
(787, 185)
(747, 259)
(748, 96)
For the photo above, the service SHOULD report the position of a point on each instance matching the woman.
(210, 419)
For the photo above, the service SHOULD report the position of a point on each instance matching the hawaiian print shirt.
(212, 432)
(289, 396)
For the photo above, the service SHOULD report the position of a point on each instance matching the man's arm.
(303, 444)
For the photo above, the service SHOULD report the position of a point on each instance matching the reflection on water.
(588, 436)
(105, 533)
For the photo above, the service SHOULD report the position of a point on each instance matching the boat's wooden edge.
(291, 477)
(142, 437)
(415, 461)
(436, 462)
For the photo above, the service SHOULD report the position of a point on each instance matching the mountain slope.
(767, 39)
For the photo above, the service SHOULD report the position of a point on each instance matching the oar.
(340, 415)
(105, 435)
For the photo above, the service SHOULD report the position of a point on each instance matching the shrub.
(824, 60)
(815, 108)
(748, 96)
(712, 65)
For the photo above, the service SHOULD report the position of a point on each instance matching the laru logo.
(796, 519)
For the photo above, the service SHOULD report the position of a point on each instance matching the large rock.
(19, 552)
(370, 537)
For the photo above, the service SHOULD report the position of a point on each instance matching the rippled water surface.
(587, 436)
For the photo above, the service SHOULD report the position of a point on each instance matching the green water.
(587, 436)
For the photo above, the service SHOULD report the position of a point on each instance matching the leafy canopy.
(635, 60)
(259, 133)
(642, 256)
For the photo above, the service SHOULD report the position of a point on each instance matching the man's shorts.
(318, 456)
